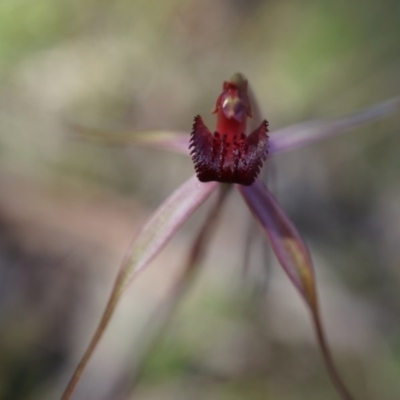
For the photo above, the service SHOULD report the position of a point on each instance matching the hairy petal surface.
(151, 239)
(302, 134)
(293, 255)
(161, 139)
(218, 158)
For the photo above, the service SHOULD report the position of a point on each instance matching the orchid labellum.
(229, 155)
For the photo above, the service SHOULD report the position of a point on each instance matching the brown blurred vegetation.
(69, 208)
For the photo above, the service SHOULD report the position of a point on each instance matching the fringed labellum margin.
(229, 155)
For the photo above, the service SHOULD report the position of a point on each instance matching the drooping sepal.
(237, 160)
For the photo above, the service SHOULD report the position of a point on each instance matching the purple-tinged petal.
(294, 257)
(183, 282)
(163, 224)
(151, 239)
(161, 139)
(288, 247)
(302, 134)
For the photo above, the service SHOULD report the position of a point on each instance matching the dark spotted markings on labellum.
(229, 155)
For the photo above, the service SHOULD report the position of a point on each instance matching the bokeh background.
(69, 208)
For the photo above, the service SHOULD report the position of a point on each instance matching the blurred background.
(69, 208)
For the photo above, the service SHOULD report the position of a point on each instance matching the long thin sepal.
(161, 226)
(161, 139)
(302, 134)
(162, 315)
(293, 255)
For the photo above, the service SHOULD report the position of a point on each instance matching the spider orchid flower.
(228, 156)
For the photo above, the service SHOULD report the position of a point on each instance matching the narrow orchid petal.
(305, 133)
(290, 250)
(294, 257)
(167, 140)
(160, 318)
(161, 226)
(165, 221)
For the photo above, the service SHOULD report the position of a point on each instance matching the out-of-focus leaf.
(161, 226)
(161, 139)
(305, 133)
(294, 257)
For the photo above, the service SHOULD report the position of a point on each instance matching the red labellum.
(229, 155)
